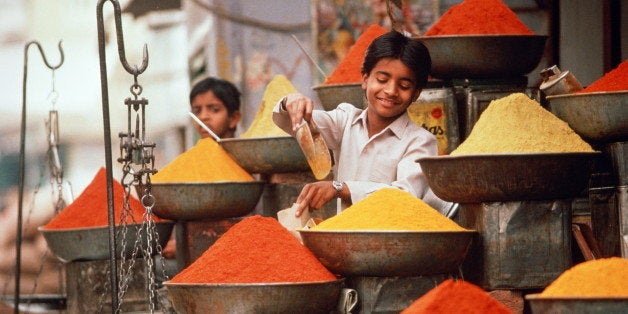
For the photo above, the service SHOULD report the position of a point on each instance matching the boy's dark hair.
(222, 89)
(411, 52)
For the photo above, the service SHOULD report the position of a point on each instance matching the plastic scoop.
(315, 150)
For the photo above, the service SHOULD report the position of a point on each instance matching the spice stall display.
(456, 296)
(344, 84)
(595, 286)
(515, 176)
(391, 246)
(77, 236)
(256, 266)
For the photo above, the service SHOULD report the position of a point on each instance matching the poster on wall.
(338, 23)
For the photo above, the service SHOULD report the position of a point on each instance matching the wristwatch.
(337, 186)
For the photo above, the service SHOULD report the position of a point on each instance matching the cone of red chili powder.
(255, 250)
(90, 209)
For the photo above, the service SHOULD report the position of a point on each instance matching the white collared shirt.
(365, 165)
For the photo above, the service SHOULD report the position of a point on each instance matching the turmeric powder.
(207, 161)
(390, 209)
(518, 124)
(263, 125)
(606, 277)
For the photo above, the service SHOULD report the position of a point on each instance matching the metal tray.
(389, 253)
(483, 56)
(37, 303)
(577, 305)
(597, 117)
(508, 177)
(212, 200)
(266, 155)
(307, 297)
(331, 95)
(83, 244)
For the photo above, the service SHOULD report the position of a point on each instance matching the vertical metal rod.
(107, 128)
(22, 165)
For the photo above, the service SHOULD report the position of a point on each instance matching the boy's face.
(390, 89)
(213, 112)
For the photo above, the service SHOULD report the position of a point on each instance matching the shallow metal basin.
(577, 305)
(267, 155)
(508, 177)
(307, 297)
(389, 253)
(332, 95)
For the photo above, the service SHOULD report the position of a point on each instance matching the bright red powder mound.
(615, 80)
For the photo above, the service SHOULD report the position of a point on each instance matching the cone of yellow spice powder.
(518, 124)
(206, 161)
(601, 278)
(390, 209)
(263, 125)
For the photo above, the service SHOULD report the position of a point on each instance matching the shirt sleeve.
(282, 118)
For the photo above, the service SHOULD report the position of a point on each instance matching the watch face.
(337, 185)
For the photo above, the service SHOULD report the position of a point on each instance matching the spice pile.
(263, 125)
(255, 250)
(479, 17)
(90, 209)
(207, 161)
(390, 209)
(518, 124)
(349, 70)
(606, 277)
(615, 80)
(456, 297)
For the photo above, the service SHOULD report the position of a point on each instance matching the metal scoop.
(315, 150)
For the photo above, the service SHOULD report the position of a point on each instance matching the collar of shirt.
(397, 127)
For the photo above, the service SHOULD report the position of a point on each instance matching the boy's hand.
(314, 195)
(299, 108)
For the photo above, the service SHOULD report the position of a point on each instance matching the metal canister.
(557, 82)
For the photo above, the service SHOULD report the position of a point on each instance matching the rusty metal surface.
(91, 243)
(484, 56)
(577, 305)
(331, 95)
(389, 253)
(520, 245)
(508, 177)
(308, 297)
(598, 117)
(217, 200)
(266, 155)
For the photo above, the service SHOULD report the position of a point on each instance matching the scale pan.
(597, 117)
(508, 177)
(576, 305)
(88, 244)
(212, 200)
(266, 155)
(389, 253)
(483, 56)
(307, 297)
(331, 95)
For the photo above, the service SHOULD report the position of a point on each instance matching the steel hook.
(134, 70)
(43, 55)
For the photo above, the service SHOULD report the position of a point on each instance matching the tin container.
(605, 214)
(520, 245)
(436, 111)
(557, 82)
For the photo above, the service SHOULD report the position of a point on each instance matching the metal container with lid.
(557, 82)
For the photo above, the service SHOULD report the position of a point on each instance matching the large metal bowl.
(331, 95)
(267, 155)
(389, 253)
(508, 177)
(307, 297)
(212, 200)
(88, 244)
(597, 117)
(483, 56)
(577, 305)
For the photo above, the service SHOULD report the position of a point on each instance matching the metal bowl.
(483, 56)
(597, 117)
(267, 155)
(389, 253)
(307, 297)
(37, 303)
(332, 95)
(577, 305)
(212, 200)
(508, 177)
(88, 244)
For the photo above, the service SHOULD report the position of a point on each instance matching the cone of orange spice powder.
(90, 209)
